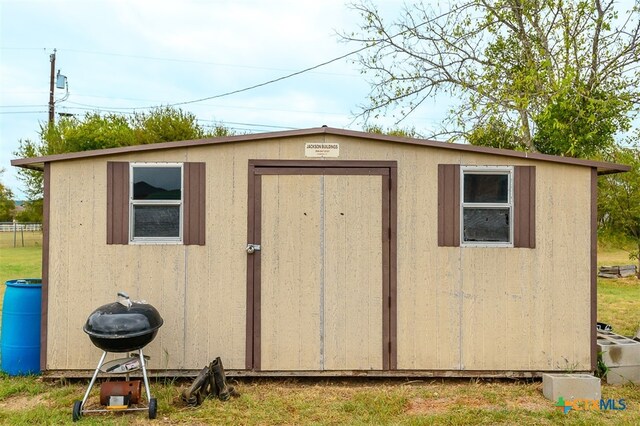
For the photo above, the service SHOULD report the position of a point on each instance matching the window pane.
(489, 225)
(482, 188)
(156, 183)
(156, 221)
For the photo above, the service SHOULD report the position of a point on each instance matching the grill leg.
(93, 379)
(144, 375)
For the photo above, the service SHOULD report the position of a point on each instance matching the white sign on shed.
(315, 150)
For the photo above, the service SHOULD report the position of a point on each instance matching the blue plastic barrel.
(21, 327)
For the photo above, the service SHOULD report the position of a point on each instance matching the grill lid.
(123, 319)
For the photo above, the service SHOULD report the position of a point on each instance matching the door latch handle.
(252, 248)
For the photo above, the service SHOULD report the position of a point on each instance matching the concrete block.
(618, 351)
(570, 386)
(620, 355)
(623, 375)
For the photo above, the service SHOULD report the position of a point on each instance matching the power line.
(24, 48)
(244, 124)
(104, 97)
(155, 58)
(255, 86)
(97, 107)
(22, 112)
(233, 92)
(22, 106)
(188, 61)
(90, 107)
(368, 45)
(214, 123)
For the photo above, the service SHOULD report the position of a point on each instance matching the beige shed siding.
(516, 316)
(291, 273)
(428, 275)
(353, 274)
(216, 273)
(529, 310)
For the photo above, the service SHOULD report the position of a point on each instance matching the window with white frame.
(156, 202)
(487, 205)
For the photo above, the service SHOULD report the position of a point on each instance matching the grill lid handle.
(123, 299)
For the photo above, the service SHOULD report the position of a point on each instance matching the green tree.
(619, 200)
(93, 131)
(71, 134)
(32, 212)
(407, 133)
(165, 125)
(31, 179)
(498, 134)
(7, 205)
(98, 131)
(555, 76)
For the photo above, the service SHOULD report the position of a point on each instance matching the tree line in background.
(7, 205)
(557, 77)
(553, 76)
(619, 202)
(97, 131)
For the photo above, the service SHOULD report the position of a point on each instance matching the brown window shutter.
(194, 211)
(448, 205)
(117, 202)
(524, 207)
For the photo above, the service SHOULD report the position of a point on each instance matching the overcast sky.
(119, 55)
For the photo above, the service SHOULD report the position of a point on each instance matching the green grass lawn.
(30, 400)
(619, 304)
(19, 262)
(15, 262)
(618, 299)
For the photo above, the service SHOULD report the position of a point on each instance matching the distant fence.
(20, 227)
(18, 230)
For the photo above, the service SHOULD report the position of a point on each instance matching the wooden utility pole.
(52, 59)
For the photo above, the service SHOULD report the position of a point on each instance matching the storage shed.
(326, 252)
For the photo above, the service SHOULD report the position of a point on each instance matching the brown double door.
(319, 285)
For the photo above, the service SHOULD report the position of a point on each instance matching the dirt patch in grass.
(452, 397)
(421, 406)
(529, 404)
(23, 402)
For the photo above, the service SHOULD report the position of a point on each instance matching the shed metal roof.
(37, 163)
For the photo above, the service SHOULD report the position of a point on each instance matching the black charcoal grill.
(122, 326)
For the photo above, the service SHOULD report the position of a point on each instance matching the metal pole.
(144, 376)
(93, 380)
(14, 233)
(52, 59)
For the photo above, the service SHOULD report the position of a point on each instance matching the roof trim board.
(602, 167)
